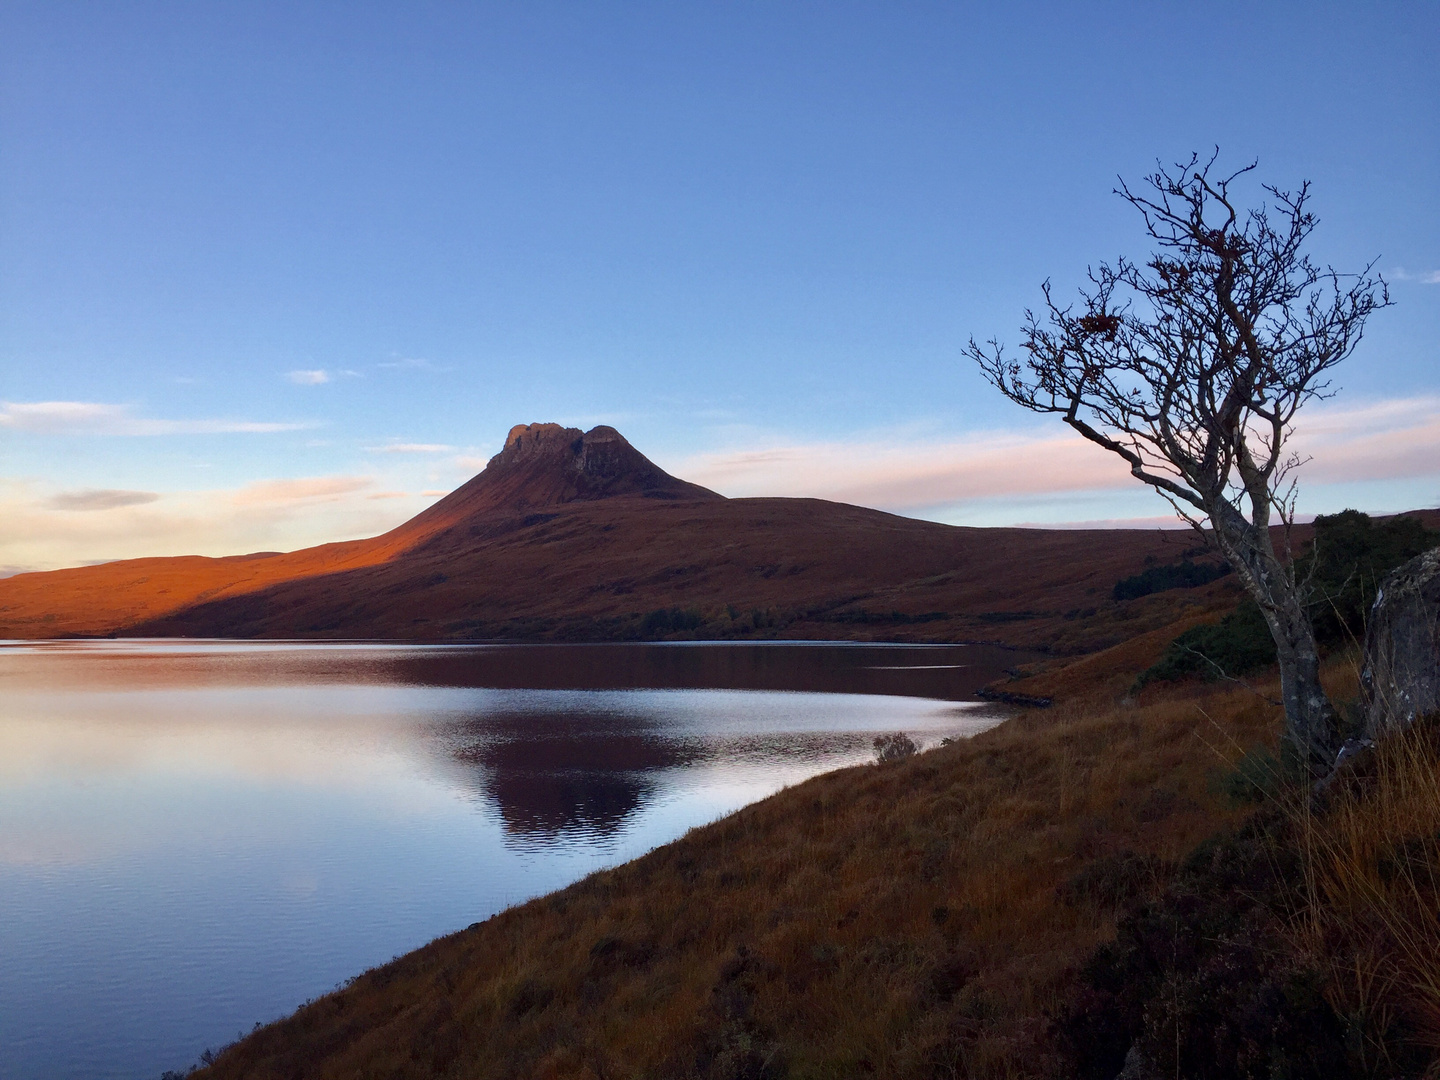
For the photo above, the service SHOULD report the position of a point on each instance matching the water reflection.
(945, 672)
(551, 776)
(198, 835)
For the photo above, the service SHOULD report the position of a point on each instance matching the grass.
(1372, 860)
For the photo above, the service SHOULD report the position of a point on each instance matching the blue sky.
(272, 274)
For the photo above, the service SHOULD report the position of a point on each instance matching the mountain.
(577, 535)
(546, 464)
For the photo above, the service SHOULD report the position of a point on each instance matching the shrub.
(1182, 575)
(1304, 945)
(1344, 566)
(894, 747)
(669, 621)
(1239, 644)
(1202, 982)
(1110, 881)
(1350, 555)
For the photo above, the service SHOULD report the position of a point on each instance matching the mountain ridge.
(543, 464)
(578, 536)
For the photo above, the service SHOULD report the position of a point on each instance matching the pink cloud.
(898, 475)
(1385, 440)
(98, 418)
(1389, 439)
(300, 490)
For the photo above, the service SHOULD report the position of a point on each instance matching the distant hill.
(579, 536)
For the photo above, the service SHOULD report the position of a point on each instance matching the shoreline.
(716, 945)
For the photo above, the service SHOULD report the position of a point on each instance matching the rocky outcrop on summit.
(1401, 679)
(560, 465)
(548, 465)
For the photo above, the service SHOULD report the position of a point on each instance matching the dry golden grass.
(896, 920)
(1372, 860)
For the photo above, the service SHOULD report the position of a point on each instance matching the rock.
(1401, 677)
(1138, 1066)
(544, 464)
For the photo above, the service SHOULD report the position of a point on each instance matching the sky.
(278, 274)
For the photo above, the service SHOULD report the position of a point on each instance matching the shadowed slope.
(742, 567)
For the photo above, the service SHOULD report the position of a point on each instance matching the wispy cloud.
(98, 418)
(320, 376)
(1391, 439)
(40, 530)
(1424, 277)
(412, 448)
(1381, 440)
(1167, 521)
(304, 489)
(101, 499)
(903, 475)
(410, 363)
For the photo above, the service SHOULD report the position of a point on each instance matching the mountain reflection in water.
(566, 775)
(196, 835)
(583, 772)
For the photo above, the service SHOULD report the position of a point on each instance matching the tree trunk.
(1311, 726)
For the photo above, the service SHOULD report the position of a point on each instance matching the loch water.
(198, 836)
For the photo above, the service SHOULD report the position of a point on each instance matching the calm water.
(196, 836)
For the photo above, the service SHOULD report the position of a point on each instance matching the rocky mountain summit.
(560, 464)
(548, 465)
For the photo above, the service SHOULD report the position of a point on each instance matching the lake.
(196, 836)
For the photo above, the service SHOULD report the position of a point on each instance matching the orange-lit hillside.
(578, 536)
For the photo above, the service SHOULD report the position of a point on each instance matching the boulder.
(1401, 677)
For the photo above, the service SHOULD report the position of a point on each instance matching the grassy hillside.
(795, 568)
(931, 917)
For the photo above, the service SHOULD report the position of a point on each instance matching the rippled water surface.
(196, 836)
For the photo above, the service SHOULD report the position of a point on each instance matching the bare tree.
(1192, 367)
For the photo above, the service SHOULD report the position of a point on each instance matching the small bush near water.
(669, 621)
(894, 747)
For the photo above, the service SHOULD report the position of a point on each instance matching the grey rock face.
(1401, 679)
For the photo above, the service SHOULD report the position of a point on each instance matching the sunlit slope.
(541, 464)
(801, 567)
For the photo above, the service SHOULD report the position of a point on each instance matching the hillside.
(579, 536)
